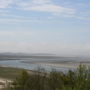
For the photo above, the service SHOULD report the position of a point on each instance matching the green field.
(9, 73)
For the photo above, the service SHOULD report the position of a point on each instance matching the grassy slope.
(9, 73)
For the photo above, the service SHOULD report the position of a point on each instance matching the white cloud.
(37, 5)
(78, 17)
(72, 9)
(5, 3)
(16, 20)
(45, 6)
(41, 1)
(50, 8)
(15, 35)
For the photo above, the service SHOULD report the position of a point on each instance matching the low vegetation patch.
(9, 73)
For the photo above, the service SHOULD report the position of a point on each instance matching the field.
(9, 73)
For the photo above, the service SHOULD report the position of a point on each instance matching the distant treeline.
(78, 79)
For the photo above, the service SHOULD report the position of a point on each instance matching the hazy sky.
(45, 26)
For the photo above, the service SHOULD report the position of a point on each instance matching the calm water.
(19, 64)
(33, 66)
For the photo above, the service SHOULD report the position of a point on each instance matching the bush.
(40, 80)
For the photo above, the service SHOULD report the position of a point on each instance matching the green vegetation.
(9, 73)
(40, 80)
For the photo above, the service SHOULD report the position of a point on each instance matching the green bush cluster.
(78, 79)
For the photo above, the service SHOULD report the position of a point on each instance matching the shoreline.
(67, 64)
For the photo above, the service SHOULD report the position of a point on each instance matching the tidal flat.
(31, 62)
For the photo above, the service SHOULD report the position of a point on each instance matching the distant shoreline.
(61, 64)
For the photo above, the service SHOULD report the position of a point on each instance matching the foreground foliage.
(41, 80)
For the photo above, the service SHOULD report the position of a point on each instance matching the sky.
(45, 26)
